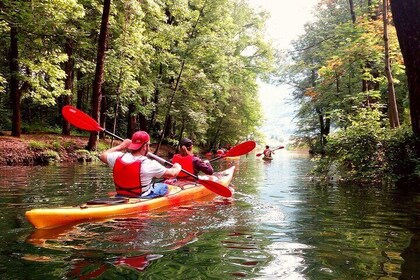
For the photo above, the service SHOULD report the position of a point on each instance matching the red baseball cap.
(138, 140)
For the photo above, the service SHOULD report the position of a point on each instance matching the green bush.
(369, 151)
(37, 145)
(51, 155)
(400, 154)
(56, 145)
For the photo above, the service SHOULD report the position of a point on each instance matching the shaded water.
(278, 225)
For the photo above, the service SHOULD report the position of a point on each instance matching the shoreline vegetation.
(43, 148)
(48, 148)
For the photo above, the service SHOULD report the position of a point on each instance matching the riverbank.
(43, 149)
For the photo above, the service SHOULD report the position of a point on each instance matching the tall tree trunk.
(168, 112)
(407, 22)
(117, 103)
(155, 101)
(114, 123)
(214, 143)
(102, 115)
(99, 72)
(142, 118)
(370, 84)
(353, 14)
(68, 83)
(132, 123)
(181, 134)
(80, 90)
(15, 94)
(392, 101)
(167, 117)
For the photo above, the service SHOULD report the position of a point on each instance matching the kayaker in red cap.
(189, 161)
(133, 171)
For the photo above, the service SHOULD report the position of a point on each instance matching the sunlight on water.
(287, 262)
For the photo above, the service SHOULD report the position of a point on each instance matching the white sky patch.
(287, 18)
(285, 24)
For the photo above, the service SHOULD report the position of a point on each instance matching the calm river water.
(278, 225)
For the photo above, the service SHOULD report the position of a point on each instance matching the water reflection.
(278, 225)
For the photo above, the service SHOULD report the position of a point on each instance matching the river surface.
(278, 225)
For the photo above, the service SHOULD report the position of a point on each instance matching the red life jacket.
(127, 178)
(186, 163)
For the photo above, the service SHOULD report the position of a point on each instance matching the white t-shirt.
(149, 168)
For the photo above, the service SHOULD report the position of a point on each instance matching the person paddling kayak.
(189, 161)
(133, 171)
(268, 152)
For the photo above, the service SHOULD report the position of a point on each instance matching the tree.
(407, 22)
(392, 102)
(35, 52)
(99, 74)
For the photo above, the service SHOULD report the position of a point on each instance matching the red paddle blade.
(241, 149)
(80, 119)
(258, 154)
(216, 187)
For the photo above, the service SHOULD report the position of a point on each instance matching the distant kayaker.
(268, 152)
(189, 161)
(133, 171)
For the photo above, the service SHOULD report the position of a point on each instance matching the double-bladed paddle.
(281, 147)
(83, 121)
(238, 150)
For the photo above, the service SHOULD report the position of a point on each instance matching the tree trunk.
(142, 122)
(353, 14)
(15, 94)
(407, 22)
(68, 83)
(155, 101)
(214, 142)
(132, 123)
(80, 90)
(371, 84)
(102, 115)
(99, 73)
(191, 35)
(392, 101)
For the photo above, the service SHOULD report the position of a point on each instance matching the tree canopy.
(176, 69)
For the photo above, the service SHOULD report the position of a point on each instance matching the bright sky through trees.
(285, 24)
(287, 18)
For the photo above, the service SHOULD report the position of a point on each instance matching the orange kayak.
(97, 210)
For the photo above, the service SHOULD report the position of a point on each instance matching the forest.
(191, 69)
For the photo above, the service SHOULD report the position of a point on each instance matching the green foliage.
(337, 68)
(215, 49)
(366, 151)
(37, 145)
(50, 156)
(102, 146)
(39, 127)
(401, 157)
(67, 144)
(56, 145)
(85, 156)
(5, 120)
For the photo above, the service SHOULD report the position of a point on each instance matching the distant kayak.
(267, 158)
(99, 209)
